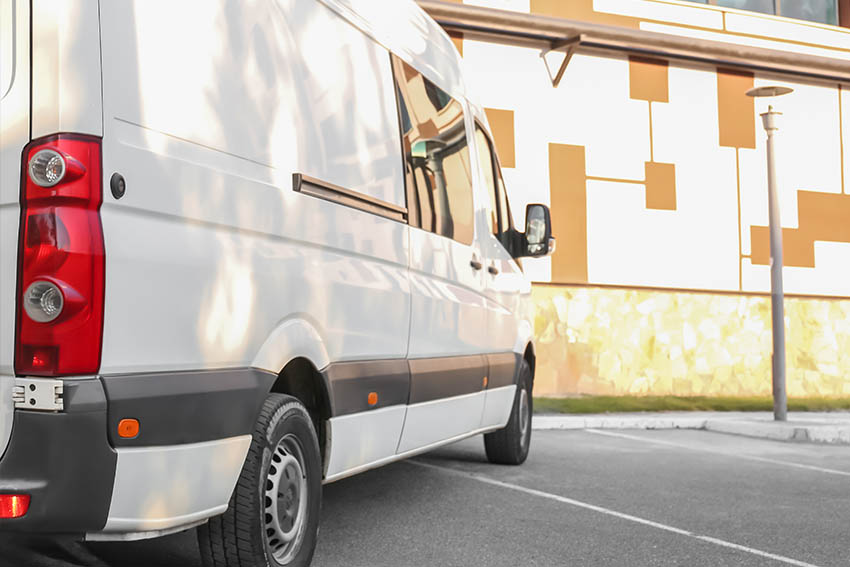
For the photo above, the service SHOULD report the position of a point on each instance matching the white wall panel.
(791, 30)
(661, 11)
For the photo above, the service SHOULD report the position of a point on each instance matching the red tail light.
(14, 505)
(60, 258)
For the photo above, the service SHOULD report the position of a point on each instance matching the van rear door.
(14, 135)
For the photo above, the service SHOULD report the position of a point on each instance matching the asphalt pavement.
(585, 497)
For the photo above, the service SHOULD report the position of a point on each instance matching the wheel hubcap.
(285, 500)
(524, 417)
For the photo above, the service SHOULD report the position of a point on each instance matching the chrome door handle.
(476, 265)
(493, 270)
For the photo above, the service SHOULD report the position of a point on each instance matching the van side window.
(436, 156)
(500, 219)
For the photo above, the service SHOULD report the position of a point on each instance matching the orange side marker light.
(128, 428)
(373, 398)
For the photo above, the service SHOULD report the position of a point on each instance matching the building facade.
(654, 170)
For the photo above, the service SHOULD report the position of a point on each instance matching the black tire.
(510, 445)
(245, 535)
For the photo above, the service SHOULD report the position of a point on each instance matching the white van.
(248, 247)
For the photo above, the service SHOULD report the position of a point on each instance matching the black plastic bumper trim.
(64, 462)
(175, 408)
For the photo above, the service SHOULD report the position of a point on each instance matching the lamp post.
(770, 121)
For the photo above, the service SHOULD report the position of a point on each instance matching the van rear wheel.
(273, 516)
(510, 445)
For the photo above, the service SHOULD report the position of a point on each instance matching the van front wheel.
(510, 445)
(273, 516)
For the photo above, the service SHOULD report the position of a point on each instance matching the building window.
(763, 6)
(822, 11)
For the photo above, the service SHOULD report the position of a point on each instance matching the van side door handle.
(476, 265)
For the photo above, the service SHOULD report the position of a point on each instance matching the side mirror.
(538, 231)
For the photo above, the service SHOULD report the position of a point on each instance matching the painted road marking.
(614, 513)
(715, 452)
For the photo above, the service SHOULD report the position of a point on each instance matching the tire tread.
(503, 446)
(233, 539)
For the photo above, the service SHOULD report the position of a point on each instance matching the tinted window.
(500, 215)
(485, 157)
(436, 156)
(764, 6)
(823, 11)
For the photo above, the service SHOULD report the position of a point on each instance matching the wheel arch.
(524, 343)
(295, 352)
(301, 379)
(530, 357)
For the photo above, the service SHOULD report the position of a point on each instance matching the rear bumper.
(83, 479)
(64, 462)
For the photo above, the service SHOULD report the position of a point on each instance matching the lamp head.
(771, 90)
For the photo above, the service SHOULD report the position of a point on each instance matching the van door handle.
(493, 270)
(476, 265)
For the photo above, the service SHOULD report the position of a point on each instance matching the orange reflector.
(485, 382)
(373, 398)
(128, 428)
(14, 505)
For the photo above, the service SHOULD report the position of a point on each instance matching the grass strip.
(618, 404)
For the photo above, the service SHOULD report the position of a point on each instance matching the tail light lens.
(14, 506)
(60, 258)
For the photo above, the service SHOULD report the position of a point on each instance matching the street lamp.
(770, 121)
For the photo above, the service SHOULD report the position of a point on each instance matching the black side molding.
(335, 194)
(446, 377)
(174, 408)
(413, 381)
(504, 369)
(351, 382)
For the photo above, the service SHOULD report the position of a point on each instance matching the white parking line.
(614, 513)
(715, 452)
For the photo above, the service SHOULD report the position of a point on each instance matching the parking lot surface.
(583, 498)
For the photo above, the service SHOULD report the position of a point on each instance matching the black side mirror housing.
(538, 240)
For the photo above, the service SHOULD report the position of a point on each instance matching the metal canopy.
(557, 34)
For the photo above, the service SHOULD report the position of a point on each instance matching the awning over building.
(558, 34)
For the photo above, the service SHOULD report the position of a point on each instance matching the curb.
(820, 433)
(826, 430)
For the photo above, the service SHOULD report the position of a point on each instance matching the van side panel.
(508, 291)
(402, 27)
(448, 332)
(14, 122)
(214, 259)
(66, 90)
(211, 250)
